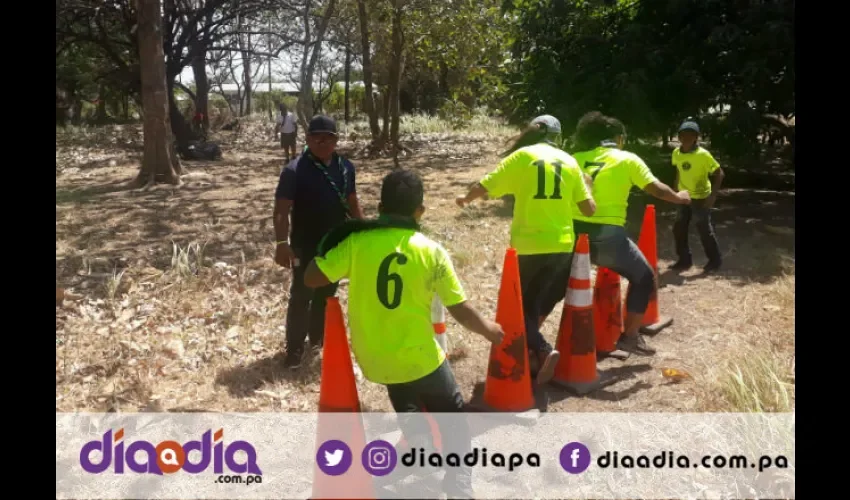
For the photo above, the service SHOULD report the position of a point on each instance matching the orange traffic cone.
(508, 384)
(576, 370)
(338, 390)
(653, 323)
(339, 415)
(608, 314)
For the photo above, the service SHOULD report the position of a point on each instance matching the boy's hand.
(461, 201)
(684, 197)
(470, 319)
(709, 202)
(495, 334)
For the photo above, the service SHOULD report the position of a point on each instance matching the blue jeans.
(701, 215)
(611, 247)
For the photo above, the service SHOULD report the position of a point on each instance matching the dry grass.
(183, 307)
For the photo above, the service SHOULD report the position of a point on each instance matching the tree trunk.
(396, 63)
(180, 128)
(269, 62)
(202, 86)
(76, 105)
(368, 101)
(246, 73)
(301, 112)
(347, 80)
(305, 97)
(385, 126)
(159, 163)
(100, 115)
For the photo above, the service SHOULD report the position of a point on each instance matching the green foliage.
(456, 113)
(653, 62)
(264, 100)
(453, 51)
(335, 103)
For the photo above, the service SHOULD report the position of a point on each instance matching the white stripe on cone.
(579, 298)
(580, 271)
(581, 266)
(438, 318)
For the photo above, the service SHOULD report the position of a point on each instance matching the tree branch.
(187, 90)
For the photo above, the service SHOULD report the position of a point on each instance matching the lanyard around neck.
(321, 166)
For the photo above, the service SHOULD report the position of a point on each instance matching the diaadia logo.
(167, 457)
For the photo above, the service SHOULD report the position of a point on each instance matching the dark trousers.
(611, 247)
(543, 279)
(439, 394)
(306, 312)
(701, 215)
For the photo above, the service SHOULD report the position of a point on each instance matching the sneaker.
(682, 265)
(711, 266)
(635, 344)
(548, 360)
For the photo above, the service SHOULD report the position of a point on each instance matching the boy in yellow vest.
(394, 271)
(698, 173)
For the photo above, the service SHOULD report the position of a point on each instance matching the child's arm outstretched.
(500, 181)
(475, 192)
(470, 319)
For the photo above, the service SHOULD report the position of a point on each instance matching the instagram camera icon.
(379, 458)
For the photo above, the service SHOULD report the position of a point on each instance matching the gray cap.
(689, 124)
(552, 124)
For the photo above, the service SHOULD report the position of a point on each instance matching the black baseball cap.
(321, 124)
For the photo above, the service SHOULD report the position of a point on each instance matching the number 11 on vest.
(541, 180)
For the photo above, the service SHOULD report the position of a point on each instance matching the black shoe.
(635, 344)
(293, 359)
(713, 265)
(682, 265)
(317, 345)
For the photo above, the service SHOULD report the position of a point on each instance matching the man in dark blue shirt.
(315, 193)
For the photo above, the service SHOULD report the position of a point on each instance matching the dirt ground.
(179, 304)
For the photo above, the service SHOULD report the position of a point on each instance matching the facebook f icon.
(575, 458)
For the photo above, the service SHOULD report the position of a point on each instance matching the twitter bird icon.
(334, 457)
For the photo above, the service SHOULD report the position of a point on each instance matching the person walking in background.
(548, 186)
(287, 125)
(315, 193)
(700, 175)
(599, 141)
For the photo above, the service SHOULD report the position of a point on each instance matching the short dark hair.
(402, 193)
(594, 127)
